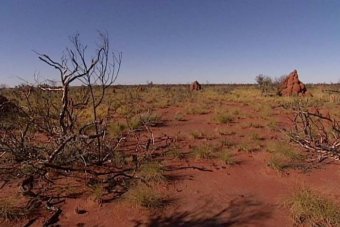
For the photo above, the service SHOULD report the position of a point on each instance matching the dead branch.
(316, 132)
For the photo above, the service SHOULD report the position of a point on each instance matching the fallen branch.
(316, 132)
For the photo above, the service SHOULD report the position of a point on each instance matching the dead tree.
(52, 112)
(52, 134)
(97, 74)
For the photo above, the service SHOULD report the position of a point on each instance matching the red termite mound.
(195, 86)
(292, 85)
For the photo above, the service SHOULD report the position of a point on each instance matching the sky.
(177, 41)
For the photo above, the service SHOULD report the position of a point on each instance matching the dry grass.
(98, 192)
(180, 117)
(312, 209)
(226, 157)
(10, 210)
(249, 148)
(224, 118)
(140, 108)
(198, 135)
(117, 129)
(206, 151)
(197, 109)
(284, 157)
(152, 172)
(144, 196)
(175, 153)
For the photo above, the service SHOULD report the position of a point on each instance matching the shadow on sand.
(239, 212)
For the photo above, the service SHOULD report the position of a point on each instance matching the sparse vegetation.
(175, 153)
(224, 118)
(283, 157)
(310, 208)
(255, 125)
(98, 192)
(278, 162)
(197, 109)
(198, 135)
(228, 143)
(144, 196)
(180, 117)
(10, 210)
(206, 151)
(152, 172)
(249, 148)
(226, 157)
(86, 142)
(265, 83)
(255, 136)
(117, 129)
(139, 157)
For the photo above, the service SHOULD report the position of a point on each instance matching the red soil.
(246, 194)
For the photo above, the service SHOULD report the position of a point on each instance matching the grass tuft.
(224, 118)
(175, 153)
(11, 211)
(152, 172)
(308, 207)
(283, 157)
(198, 135)
(180, 117)
(206, 151)
(144, 196)
(226, 157)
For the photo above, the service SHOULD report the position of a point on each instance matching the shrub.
(265, 83)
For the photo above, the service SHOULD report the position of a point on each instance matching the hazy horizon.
(177, 42)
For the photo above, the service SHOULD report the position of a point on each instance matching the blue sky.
(178, 41)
